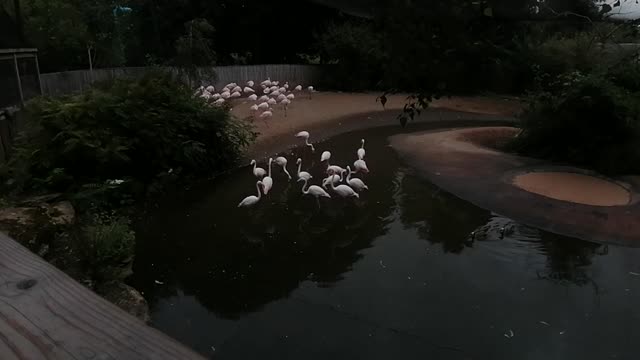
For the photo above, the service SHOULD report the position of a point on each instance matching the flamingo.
(225, 95)
(266, 82)
(275, 83)
(286, 85)
(273, 88)
(305, 136)
(235, 94)
(267, 181)
(326, 155)
(336, 179)
(283, 89)
(361, 151)
(257, 171)
(215, 96)
(210, 89)
(263, 98)
(237, 89)
(281, 97)
(219, 102)
(248, 90)
(361, 166)
(291, 96)
(263, 106)
(285, 104)
(282, 161)
(275, 93)
(302, 174)
(250, 83)
(266, 115)
(271, 101)
(253, 97)
(343, 190)
(231, 85)
(331, 169)
(310, 89)
(253, 108)
(266, 91)
(252, 200)
(198, 91)
(298, 88)
(355, 183)
(314, 190)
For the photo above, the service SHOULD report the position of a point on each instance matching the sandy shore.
(564, 200)
(577, 188)
(327, 114)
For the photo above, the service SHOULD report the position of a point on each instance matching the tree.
(195, 48)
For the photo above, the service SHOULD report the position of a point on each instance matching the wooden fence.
(70, 82)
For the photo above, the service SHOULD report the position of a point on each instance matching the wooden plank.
(44, 314)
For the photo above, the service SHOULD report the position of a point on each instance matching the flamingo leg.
(318, 201)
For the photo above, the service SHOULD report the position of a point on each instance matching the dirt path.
(327, 114)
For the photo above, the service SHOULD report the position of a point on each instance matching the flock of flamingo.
(271, 94)
(333, 181)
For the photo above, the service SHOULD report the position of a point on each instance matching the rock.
(36, 224)
(62, 213)
(127, 298)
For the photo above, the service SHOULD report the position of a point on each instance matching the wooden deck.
(44, 314)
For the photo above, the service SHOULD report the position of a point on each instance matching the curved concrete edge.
(479, 177)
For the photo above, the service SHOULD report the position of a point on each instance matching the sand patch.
(573, 187)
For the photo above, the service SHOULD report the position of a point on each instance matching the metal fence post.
(38, 72)
(15, 62)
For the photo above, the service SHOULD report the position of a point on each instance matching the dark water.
(393, 275)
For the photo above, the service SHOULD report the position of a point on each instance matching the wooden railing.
(44, 314)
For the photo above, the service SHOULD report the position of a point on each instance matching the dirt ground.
(326, 110)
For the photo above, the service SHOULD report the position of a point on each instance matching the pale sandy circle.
(572, 187)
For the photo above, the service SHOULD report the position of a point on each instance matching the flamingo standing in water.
(267, 181)
(343, 190)
(331, 169)
(361, 151)
(252, 200)
(282, 161)
(355, 183)
(258, 171)
(314, 190)
(361, 166)
(305, 136)
(302, 174)
(336, 179)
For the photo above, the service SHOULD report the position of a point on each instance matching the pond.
(395, 274)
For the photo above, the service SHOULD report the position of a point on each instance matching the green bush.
(132, 129)
(585, 120)
(107, 247)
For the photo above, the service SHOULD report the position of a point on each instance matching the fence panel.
(71, 82)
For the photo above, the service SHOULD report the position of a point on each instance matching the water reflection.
(229, 276)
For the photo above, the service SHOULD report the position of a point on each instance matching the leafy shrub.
(126, 129)
(586, 120)
(355, 49)
(107, 246)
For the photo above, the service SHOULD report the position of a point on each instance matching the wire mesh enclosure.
(20, 76)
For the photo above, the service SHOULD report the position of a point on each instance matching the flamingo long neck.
(362, 146)
(299, 167)
(284, 167)
(270, 161)
(348, 175)
(333, 187)
(306, 141)
(303, 186)
(341, 174)
(254, 165)
(258, 188)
